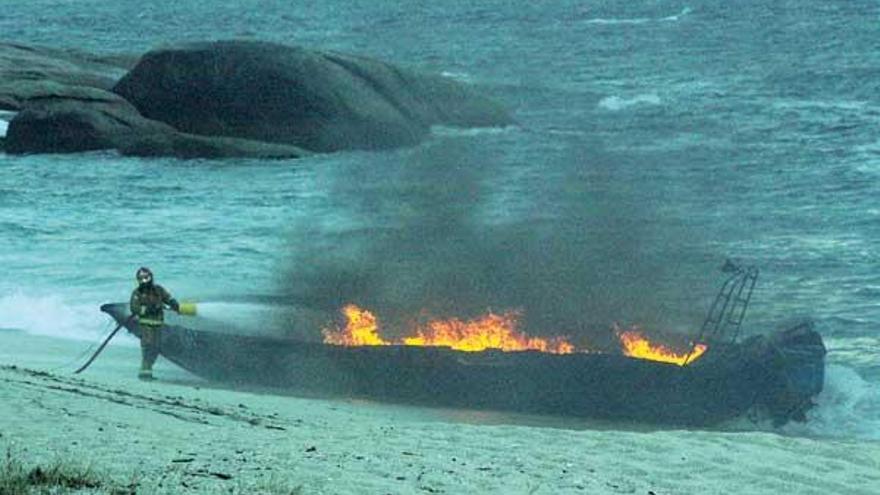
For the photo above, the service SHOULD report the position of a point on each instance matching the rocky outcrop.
(282, 94)
(76, 118)
(225, 99)
(30, 72)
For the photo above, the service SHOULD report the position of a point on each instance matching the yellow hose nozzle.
(187, 309)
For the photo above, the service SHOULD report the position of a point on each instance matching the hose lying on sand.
(103, 344)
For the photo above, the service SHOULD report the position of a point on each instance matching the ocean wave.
(51, 315)
(870, 148)
(823, 105)
(862, 353)
(3, 127)
(617, 103)
(15, 228)
(567, 132)
(639, 20)
(457, 76)
(444, 131)
(849, 406)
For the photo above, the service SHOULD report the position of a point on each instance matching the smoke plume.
(451, 230)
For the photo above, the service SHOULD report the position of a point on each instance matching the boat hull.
(724, 383)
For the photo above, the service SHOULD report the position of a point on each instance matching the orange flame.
(636, 344)
(362, 329)
(490, 331)
(493, 331)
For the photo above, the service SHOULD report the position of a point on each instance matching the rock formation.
(229, 98)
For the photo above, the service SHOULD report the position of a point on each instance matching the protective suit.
(148, 302)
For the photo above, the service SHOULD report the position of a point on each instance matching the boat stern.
(792, 362)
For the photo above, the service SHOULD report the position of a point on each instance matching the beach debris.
(621, 486)
(206, 473)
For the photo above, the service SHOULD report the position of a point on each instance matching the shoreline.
(182, 435)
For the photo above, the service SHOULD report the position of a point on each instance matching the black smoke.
(570, 238)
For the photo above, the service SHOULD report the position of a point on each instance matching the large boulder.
(75, 118)
(317, 101)
(31, 72)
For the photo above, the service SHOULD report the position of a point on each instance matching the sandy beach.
(182, 435)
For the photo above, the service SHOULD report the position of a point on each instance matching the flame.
(636, 344)
(491, 331)
(362, 329)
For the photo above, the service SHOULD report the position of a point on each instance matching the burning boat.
(488, 364)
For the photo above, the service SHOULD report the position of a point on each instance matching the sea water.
(654, 139)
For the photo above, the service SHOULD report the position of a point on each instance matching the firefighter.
(148, 301)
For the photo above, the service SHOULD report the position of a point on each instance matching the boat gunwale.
(484, 354)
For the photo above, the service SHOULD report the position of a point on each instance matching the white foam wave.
(567, 132)
(51, 315)
(5, 118)
(639, 20)
(616, 103)
(859, 352)
(677, 17)
(849, 406)
(824, 105)
(439, 130)
(457, 76)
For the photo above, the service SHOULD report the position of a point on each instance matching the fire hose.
(103, 344)
(188, 309)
